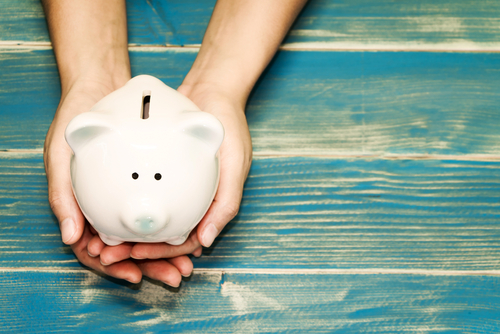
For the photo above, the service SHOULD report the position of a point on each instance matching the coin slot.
(146, 102)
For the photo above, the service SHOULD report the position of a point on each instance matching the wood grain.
(22, 21)
(244, 303)
(308, 103)
(306, 213)
(397, 25)
(357, 24)
(321, 244)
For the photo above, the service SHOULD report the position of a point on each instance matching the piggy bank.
(145, 166)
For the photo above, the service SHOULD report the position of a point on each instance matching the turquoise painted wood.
(401, 25)
(464, 24)
(308, 102)
(321, 244)
(51, 302)
(306, 213)
(22, 21)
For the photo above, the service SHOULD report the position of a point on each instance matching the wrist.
(207, 76)
(205, 88)
(104, 74)
(93, 85)
(89, 39)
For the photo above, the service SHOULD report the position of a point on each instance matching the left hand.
(235, 160)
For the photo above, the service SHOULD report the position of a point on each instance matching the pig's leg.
(179, 240)
(108, 241)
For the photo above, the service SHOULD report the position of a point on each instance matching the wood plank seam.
(389, 156)
(306, 46)
(260, 271)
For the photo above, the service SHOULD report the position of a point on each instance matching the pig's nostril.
(158, 176)
(135, 176)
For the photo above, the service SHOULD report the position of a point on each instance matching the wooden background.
(372, 204)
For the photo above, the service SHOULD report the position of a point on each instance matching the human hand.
(235, 156)
(235, 160)
(75, 231)
(240, 41)
(89, 39)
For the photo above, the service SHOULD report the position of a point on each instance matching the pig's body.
(144, 180)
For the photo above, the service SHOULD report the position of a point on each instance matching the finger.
(62, 201)
(183, 265)
(112, 254)
(126, 270)
(92, 230)
(95, 245)
(197, 252)
(161, 270)
(226, 202)
(162, 250)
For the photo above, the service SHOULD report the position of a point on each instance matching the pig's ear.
(86, 126)
(203, 126)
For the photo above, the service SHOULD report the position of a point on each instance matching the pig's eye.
(158, 176)
(135, 176)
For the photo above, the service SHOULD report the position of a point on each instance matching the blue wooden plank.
(387, 24)
(179, 22)
(22, 21)
(309, 213)
(308, 102)
(30, 91)
(464, 24)
(51, 302)
(149, 22)
(377, 103)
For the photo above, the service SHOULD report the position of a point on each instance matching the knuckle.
(56, 200)
(230, 210)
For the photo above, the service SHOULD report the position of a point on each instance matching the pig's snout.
(144, 216)
(145, 225)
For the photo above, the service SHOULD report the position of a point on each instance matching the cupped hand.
(75, 231)
(235, 160)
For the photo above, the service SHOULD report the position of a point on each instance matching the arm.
(240, 41)
(90, 44)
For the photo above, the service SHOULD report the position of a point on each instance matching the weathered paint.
(306, 213)
(343, 24)
(308, 103)
(398, 25)
(350, 244)
(245, 303)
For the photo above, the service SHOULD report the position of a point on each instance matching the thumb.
(62, 201)
(224, 207)
(221, 212)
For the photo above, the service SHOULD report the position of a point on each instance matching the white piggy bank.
(145, 166)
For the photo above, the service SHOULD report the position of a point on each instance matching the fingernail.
(131, 281)
(136, 257)
(104, 264)
(91, 254)
(68, 229)
(173, 286)
(209, 235)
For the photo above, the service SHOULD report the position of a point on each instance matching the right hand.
(75, 230)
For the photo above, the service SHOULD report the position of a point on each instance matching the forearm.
(90, 41)
(241, 39)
